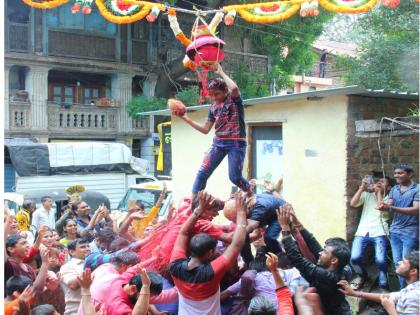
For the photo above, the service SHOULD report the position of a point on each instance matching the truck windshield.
(147, 197)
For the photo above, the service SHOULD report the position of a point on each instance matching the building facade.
(70, 76)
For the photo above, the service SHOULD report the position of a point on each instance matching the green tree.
(295, 34)
(389, 56)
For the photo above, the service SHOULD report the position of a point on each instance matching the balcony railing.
(76, 116)
(233, 59)
(19, 115)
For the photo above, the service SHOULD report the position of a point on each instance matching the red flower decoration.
(123, 6)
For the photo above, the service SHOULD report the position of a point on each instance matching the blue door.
(9, 178)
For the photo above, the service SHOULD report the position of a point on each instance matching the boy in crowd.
(227, 115)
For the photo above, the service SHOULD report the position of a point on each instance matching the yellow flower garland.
(45, 4)
(328, 5)
(246, 15)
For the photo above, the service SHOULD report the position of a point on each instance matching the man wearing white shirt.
(372, 229)
(78, 250)
(44, 215)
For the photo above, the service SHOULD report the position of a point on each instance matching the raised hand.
(388, 304)
(346, 288)
(85, 280)
(205, 202)
(272, 262)
(46, 256)
(283, 215)
(242, 203)
(53, 281)
(145, 280)
(308, 302)
(137, 216)
(27, 295)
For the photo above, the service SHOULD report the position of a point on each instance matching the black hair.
(126, 258)
(201, 244)
(12, 240)
(260, 305)
(27, 203)
(404, 166)
(284, 262)
(75, 205)
(73, 244)
(44, 309)
(68, 220)
(217, 84)
(342, 253)
(45, 198)
(156, 284)
(106, 235)
(336, 241)
(17, 283)
(413, 258)
(117, 244)
(258, 264)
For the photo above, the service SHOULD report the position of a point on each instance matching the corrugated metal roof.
(310, 95)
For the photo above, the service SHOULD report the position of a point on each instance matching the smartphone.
(369, 181)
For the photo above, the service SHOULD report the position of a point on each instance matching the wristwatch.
(285, 232)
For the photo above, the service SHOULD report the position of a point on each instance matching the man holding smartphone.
(372, 229)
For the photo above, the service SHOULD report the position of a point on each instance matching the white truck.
(108, 168)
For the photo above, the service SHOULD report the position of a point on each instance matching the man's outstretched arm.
(231, 85)
(238, 240)
(205, 201)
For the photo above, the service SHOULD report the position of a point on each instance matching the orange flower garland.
(45, 4)
(183, 39)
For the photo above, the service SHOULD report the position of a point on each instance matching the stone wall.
(363, 153)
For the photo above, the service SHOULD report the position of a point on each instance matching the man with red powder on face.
(226, 113)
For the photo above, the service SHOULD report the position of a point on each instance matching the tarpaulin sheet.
(30, 160)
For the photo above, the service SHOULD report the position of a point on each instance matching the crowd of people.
(264, 262)
(91, 264)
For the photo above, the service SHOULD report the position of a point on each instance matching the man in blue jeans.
(372, 229)
(404, 202)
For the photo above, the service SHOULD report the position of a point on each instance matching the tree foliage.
(141, 104)
(389, 55)
(295, 35)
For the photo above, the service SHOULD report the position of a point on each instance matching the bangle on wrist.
(241, 225)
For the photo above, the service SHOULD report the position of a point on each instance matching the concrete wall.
(363, 153)
(314, 185)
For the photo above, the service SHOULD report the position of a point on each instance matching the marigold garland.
(255, 18)
(345, 6)
(183, 39)
(45, 4)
